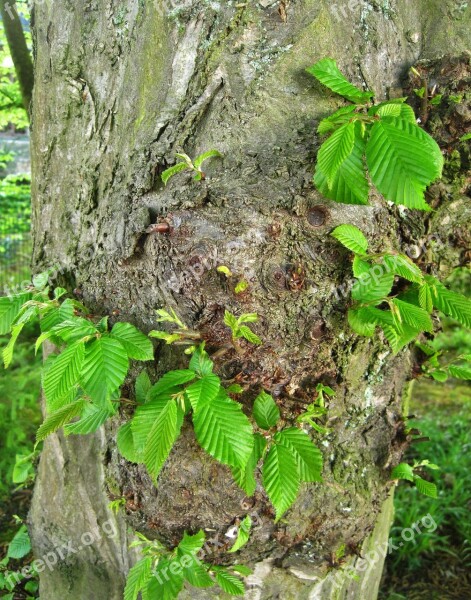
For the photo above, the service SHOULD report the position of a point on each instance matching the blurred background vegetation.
(434, 565)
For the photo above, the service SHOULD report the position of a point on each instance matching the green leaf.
(352, 238)
(104, 368)
(308, 456)
(63, 374)
(8, 350)
(165, 585)
(339, 118)
(373, 288)
(425, 487)
(197, 574)
(59, 418)
(230, 321)
(394, 108)
(335, 151)
(401, 265)
(204, 390)
(9, 308)
(399, 339)
(137, 345)
(171, 171)
(247, 318)
(281, 478)
(224, 431)
(73, 330)
(138, 578)
(200, 362)
(145, 417)
(229, 583)
(20, 545)
(171, 380)
(265, 411)
(360, 266)
(403, 160)
(56, 316)
(243, 534)
(403, 471)
(125, 441)
(425, 298)
(161, 439)
(460, 372)
(199, 160)
(360, 321)
(350, 185)
(439, 375)
(327, 72)
(414, 316)
(450, 303)
(244, 477)
(191, 544)
(142, 387)
(91, 419)
(249, 335)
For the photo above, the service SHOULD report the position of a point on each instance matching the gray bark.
(119, 88)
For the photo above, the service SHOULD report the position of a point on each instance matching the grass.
(435, 560)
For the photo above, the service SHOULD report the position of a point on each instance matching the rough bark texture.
(119, 88)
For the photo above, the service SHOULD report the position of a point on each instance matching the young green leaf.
(249, 335)
(425, 487)
(339, 118)
(414, 316)
(335, 150)
(460, 372)
(172, 379)
(308, 456)
(91, 419)
(137, 345)
(450, 303)
(243, 534)
(204, 390)
(199, 160)
(9, 308)
(403, 160)
(171, 171)
(125, 441)
(265, 411)
(403, 471)
(281, 478)
(361, 322)
(360, 266)
(8, 350)
(142, 387)
(224, 431)
(59, 418)
(167, 582)
(191, 544)
(20, 545)
(104, 368)
(229, 583)
(402, 265)
(425, 298)
(375, 288)
(350, 185)
(138, 578)
(352, 238)
(200, 362)
(231, 321)
(244, 477)
(327, 72)
(145, 417)
(161, 439)
(63, 374)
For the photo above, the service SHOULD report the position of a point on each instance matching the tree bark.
(119, 89)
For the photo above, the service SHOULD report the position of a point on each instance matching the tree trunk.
(120, 87)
